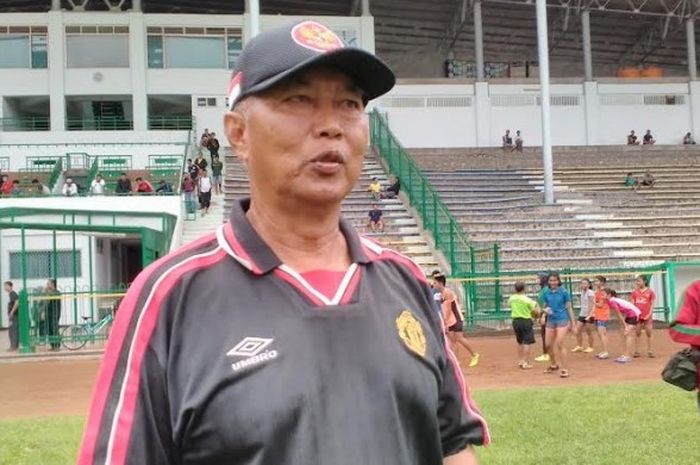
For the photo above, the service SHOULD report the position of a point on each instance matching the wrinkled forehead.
(316, 76)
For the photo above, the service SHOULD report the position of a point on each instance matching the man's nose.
(327, 122)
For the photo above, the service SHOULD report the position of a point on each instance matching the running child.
(643, 298)
(560, 317)
(452, 319)
(628, 314)
(522, 310)
(601, 315)
(585, 318)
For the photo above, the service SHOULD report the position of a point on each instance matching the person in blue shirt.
(560, 315)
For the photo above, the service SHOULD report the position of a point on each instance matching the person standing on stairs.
(217, 168)
(204, 187)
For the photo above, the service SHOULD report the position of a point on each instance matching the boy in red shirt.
(643, 298)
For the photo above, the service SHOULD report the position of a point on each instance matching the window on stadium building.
(193, 47)
(40, 264)
(23, 47)
(97, 46)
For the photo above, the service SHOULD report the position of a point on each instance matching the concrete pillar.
(138, 62)
(587, 56)
(482, 106)
(543, 56)
(692, 61)
(478, 41)
(590, 108)
(366, 34)
(694, 88)
(57, 67)
(365, 8)
(55, 5)
(136, 5)
(252, 11)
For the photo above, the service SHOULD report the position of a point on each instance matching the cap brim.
(367, 71)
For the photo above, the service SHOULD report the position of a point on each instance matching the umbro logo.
(252, 349)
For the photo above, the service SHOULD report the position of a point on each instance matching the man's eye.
(299, 99)
(352, 104)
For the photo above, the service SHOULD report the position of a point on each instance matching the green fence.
(89, 254)
(29, 123)
(170, 122)
(99, 124)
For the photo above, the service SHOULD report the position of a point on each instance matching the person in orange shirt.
(643, 298)
(601, 314)
(452, 319)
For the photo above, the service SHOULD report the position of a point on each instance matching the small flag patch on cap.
(315, 36)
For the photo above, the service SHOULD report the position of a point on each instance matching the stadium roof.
(623, 32)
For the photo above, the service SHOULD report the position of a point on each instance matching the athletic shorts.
(557, 323)
(644, 318)
(631, 320)
(524, 333)
(585, 320)
(457, 327)
(601, 323)
(215, 180)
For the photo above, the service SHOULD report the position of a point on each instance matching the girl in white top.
(204, 185)
(585, 320)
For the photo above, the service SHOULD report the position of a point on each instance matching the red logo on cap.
(234, 89)
(316, 37)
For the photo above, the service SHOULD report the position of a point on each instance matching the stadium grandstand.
(124, 89)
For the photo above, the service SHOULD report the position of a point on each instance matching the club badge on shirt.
(411, 332)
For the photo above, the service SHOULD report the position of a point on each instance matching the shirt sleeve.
(461, 422)
(129, 419)
(686, 328)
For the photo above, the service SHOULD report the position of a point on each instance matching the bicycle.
(75, 337)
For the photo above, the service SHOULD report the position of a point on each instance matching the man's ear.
(236, 129)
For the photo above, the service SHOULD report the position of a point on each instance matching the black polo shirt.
(223, 355)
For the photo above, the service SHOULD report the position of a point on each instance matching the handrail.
(188, 147)
(464, 258)
(105, 123)
(170, 122)
(55, 173)
(26, 123)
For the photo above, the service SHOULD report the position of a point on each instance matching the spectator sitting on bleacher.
(375, 189)
(632, 138)
(631, 181)
(393, 190)
(192, 169)
(123, 185)
(143, 186)
(376, 224)
(507, 141)
(5, 185)
(688, 139)
(518, 147)
(648, 138)
(16, 189)
(97, 186)
(213, 145)
(70, 189)
(647, 180)
(39, 188)
(164, 188)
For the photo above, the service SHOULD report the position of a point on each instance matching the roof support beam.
(478, 40)
(690, 38)
(586, 41)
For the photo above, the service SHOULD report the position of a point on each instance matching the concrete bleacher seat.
(596, 221)
(401, 233)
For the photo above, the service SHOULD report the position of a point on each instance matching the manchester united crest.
(316, 37)
(411, 332)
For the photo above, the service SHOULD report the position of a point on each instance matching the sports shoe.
(588, 350)
(577, 349)
(542, 358)
(526, 366)
(650, 354)
(602, 356)
(474, 361)
(623, 359)
(636, 355)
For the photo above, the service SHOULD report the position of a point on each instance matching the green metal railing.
(170, 122)
(29, 123)
(99, 124)
(464, 258)
(55, 174)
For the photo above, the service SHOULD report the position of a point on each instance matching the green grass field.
(642, 424)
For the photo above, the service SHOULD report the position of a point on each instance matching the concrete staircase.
(205, 224)
(402, 232)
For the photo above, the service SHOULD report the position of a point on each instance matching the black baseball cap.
(283, 51)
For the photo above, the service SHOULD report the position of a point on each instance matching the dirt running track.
(64, 387)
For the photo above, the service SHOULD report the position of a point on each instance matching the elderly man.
(285, 338)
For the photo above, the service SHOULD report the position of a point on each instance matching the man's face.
(7, 288)
(303, 140)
